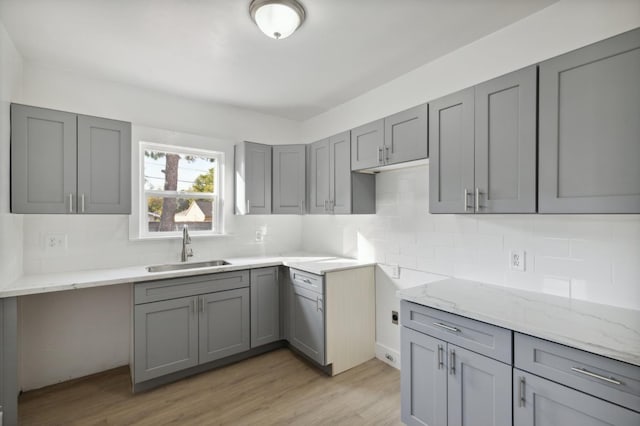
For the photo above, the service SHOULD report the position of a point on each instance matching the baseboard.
(388, 355)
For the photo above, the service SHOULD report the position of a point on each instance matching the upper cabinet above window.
(67, 163)
(590, 129)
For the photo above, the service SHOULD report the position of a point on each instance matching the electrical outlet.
(389, 357)
(55, 242)
(394, 317)
(259, 236)
(395, 271)
(517, 260)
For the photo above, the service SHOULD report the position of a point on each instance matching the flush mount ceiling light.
(277, 18)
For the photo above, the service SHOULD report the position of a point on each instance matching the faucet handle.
(189, 252)
(185, 234)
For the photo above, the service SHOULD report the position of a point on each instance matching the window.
(180, 187)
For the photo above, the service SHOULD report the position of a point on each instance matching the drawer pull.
(446, 327)
(440, 358)
(452, 362)
(596, 376)
(521, 394)
(306, 280)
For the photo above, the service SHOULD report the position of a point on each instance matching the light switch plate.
(55, 242)
(395, 271)
(517, 260)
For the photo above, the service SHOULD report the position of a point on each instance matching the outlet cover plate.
(517, 260)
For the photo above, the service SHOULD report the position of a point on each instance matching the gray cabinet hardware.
(380, 160)
(596, 376)
(82, 203)
(452, 362)
(386, 153)
(319, 304)
(521, 393)
(440, 357)
(70, 203)
(446, 327)
(477, 199)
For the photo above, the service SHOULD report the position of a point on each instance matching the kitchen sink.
(180, 266)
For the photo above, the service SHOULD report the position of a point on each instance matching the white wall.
(590, 257)
(10, 225)
(102, 241)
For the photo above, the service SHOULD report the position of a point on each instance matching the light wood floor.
(274, 388)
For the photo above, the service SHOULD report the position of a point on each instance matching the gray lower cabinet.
(166, 337)
(289, 179)
(8, 361)
(265, 306)
(252, 178)
(307, 322)
(589, 129)
(67, 163)
(333, 188)
(224, 324)
(541, 402)
(483, 147)
(443, 384)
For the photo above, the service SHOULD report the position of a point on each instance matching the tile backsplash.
(588, 257)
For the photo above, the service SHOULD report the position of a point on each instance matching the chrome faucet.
(186, 239)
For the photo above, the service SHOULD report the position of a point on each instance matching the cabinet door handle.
(440, 357)
(466, 200)
(521, 395)
(82, 203)
(248, 206)
(452, 362)
(70, 202)
(446, 327)
(477, 199)
(596, 376)
(386, 153)
(319, 304)
(380, 155)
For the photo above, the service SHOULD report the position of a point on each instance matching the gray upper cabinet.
(166, 337)
(540, 402)
(289, 182)
(483, 147)
(505, 143)
(104, 166)
(589, 129)
(451, 165)
(333, 188)
(340, 173)
(405, 135)
(252, 178)
(224, 324)
(68, 163)
(367, 144)
(395, 139)
(265, 306)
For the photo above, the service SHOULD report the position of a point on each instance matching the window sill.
(193, 235)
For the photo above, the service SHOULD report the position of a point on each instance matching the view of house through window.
(181, 187)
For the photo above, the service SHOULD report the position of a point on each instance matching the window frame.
(216, 197)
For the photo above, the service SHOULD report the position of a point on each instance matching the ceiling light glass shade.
(278, 19)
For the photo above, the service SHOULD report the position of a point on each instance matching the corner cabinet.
(289, 179)
(333, 188)
(395, 139)
(483, 147)
(252, 178)
(68, 163)
(589, 129)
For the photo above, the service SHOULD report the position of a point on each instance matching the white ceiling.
(211, 50)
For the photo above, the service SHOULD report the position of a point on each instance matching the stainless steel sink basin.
(180, 266)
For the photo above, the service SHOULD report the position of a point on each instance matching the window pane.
(178, 172)
(168, 214)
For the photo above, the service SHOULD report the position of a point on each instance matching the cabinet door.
(165, 337)
(258, 184)
(541, 402)
(405, 135)
(451, 133)
(423, 379)
(307, 323)
(104, 166)
(224, 324)
(505, 143)
(319, 177)
(367, 143)
(43, 160)
(265, 306)
(340, 173)
(589, 129)
(479, 389)
(289, 183)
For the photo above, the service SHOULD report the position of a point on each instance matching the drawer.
(599, 376)
(174, 288)
(477, 336)
(307, 280)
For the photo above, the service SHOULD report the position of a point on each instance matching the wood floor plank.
(277, 388)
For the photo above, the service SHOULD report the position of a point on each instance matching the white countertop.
(605, 330)
(45, 283)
